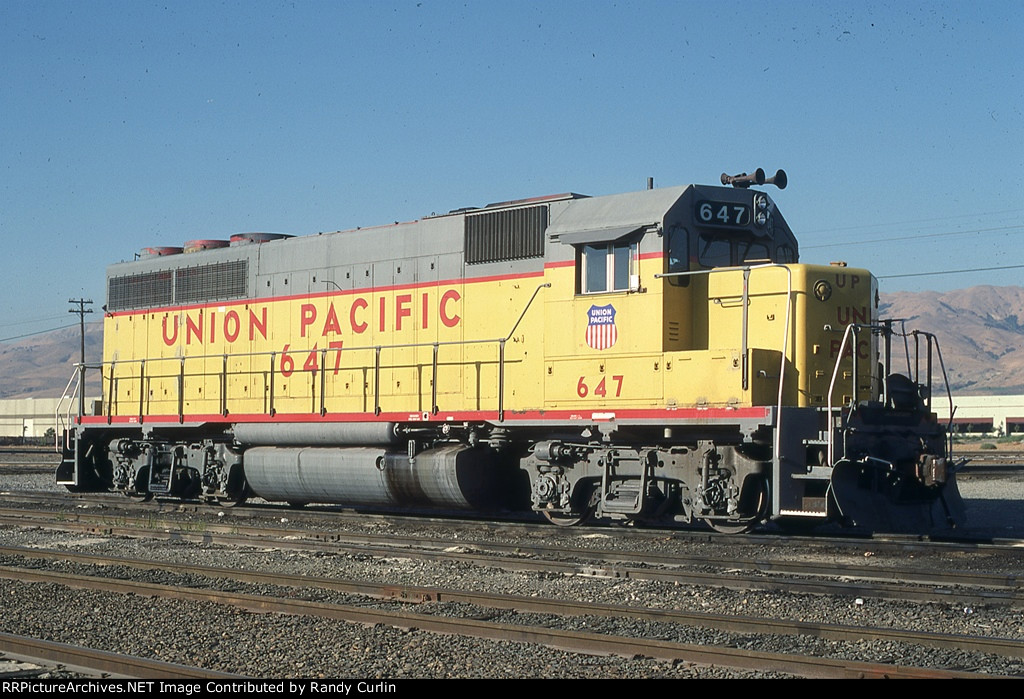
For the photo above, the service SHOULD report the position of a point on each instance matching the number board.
(722, 213)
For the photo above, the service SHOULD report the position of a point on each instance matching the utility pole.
(81, 311)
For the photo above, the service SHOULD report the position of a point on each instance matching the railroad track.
(69, 660)
(419, 595)
(833, 577)
(480, 615)
(335, 517)
(333, 524)
(1000, 454)
(528, 551)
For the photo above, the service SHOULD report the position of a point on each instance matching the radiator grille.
(510, 234)
(215, 282)
(140, 290)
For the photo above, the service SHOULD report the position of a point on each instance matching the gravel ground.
(281, 646)
(995, 505)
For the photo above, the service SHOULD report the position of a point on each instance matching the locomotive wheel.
(743, 526)
(232, 501)
(561, 519)
(726, 527)
(236, 492)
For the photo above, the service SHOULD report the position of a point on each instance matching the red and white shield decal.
(601, 331)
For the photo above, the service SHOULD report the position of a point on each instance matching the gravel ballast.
(271, 645)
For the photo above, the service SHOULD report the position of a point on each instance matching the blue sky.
(130, 124)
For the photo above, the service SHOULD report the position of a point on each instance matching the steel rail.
(419, 594)
(333, 515)
(573, 641)
(91, 661)
(1004, 590)
(995, 581)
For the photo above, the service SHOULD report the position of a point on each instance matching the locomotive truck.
(653, 356)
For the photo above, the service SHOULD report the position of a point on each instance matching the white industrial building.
(30, 418)
(995, 415)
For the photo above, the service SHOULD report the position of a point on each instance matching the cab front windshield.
(716, 251)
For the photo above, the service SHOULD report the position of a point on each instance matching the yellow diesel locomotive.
(659, 355)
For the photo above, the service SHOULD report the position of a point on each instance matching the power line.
(910, 237)
(38, 332)
(952, 271)
(915, 222)
(29, 322)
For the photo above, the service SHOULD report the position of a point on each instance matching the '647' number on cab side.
(720, 213)
(600, 390)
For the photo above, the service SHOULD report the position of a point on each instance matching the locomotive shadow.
(999, 518)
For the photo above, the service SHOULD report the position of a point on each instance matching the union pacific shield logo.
(601, 331)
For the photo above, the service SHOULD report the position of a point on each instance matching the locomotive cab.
(747, 344)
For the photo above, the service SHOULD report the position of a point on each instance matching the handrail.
(545, 285)
(945, 378)
(59, 431)
(913, 372)
(831, 389)
(745, 295)
(272, 354)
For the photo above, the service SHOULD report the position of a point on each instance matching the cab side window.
(677, 253)
(607, 267)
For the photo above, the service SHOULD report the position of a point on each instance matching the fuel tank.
(448, 477)
(308, 434)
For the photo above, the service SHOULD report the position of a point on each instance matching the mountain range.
(980, 330)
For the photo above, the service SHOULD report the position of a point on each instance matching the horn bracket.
(743, 180)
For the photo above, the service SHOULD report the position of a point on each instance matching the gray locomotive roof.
(613, 215)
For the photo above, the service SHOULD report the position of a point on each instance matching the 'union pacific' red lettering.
(449, 320)
(202, 329)
(841, 280)
(255, 324)
(390, 315)
(402, 309)
(863, 349)
(331, 325)
(847, 314)
(231, 326)
(193, 329)
(206, 326)
(307, 314)
(360, 326)
(170, 340)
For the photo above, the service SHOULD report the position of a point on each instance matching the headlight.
(822, 290)
(761, 218)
